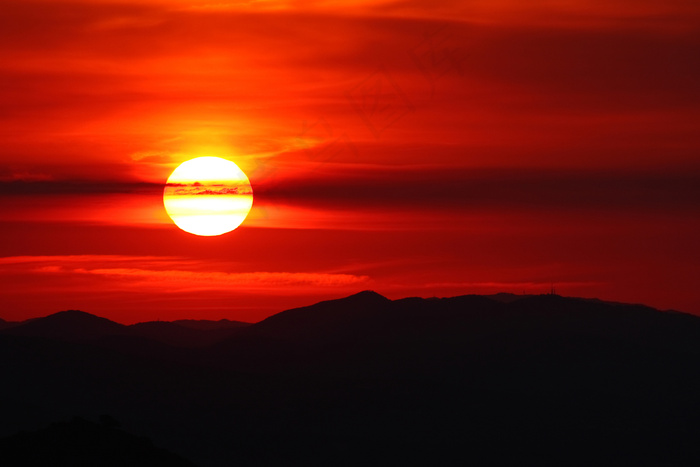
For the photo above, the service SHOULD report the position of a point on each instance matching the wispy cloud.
(500, 286)
(82, 259)
(170, 274)
(196, 280)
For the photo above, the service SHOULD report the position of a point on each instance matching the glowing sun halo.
(208, 196)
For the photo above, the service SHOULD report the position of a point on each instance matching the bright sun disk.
(208, 196)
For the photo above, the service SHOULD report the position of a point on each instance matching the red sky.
(412, 148)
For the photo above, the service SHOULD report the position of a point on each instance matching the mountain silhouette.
(329, 319)
(369, 316)
(70, 324)
(79, 325)
(505, 297)
(508, 380)
(6, 324)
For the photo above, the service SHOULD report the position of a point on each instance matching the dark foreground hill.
(534, 380)
(74, 325)
(84, 443)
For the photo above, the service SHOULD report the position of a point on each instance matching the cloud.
(80, 259)
(8, 174)
(501, 286)
(199, 280)
(382, 198)
(179, 189)
(151, 273)
(76, 187)
(471, 190)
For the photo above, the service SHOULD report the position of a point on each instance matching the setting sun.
(208, 196)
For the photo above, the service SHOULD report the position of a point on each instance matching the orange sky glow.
(409, 147)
